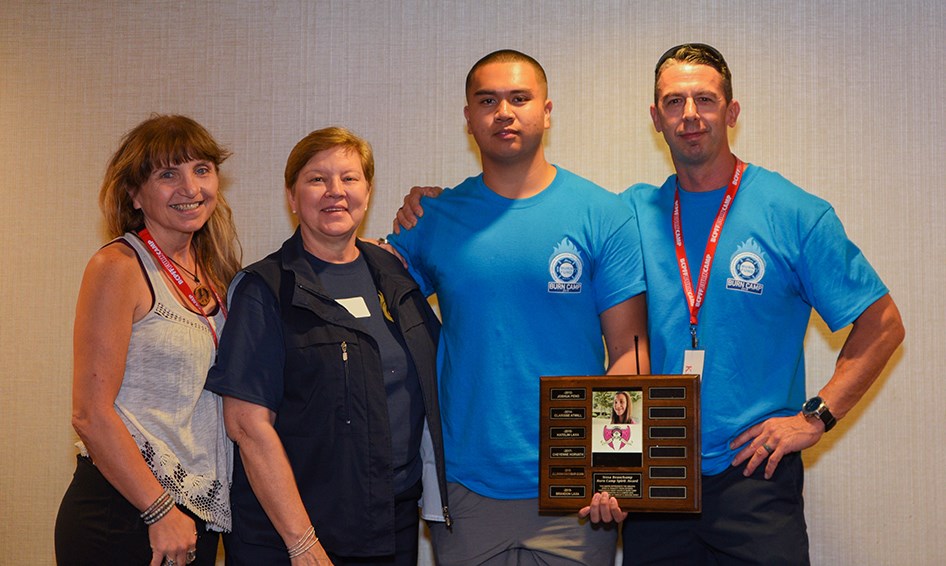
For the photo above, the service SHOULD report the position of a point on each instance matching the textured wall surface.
(845, 98)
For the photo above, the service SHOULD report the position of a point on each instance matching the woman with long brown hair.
(152, 481)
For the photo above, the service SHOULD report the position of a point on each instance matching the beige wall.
(845, 98)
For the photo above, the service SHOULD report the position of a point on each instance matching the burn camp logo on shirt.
(747, 267)
(565, 267)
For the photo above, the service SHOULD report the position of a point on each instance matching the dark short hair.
(507, 56)
(700, 54)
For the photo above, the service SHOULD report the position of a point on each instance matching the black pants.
(406, 522)
(96, 525)
(744, 521)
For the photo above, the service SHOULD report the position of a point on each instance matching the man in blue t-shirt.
(736, 257)
(531, 265)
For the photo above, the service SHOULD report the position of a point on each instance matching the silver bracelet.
(307, 541)
(159, 513)
(304, 549)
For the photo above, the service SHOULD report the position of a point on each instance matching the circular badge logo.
(565, 268)
(747, 266)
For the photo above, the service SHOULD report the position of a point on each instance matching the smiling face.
(177, 200)
(330, 195)
(507, 111)
(692, 113)
(620, 404)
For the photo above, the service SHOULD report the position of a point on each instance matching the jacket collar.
(385, 269)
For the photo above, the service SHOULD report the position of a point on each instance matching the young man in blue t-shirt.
(531, 265)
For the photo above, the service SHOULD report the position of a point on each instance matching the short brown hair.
(700, 54)
(328, 138)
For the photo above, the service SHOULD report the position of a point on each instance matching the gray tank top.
(177, 425)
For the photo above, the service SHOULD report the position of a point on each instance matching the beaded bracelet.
(164, 511)
(161, 507)
(307, 541)
(159, 513)
(156, 504)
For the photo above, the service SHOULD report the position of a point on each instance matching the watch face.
(812, 405)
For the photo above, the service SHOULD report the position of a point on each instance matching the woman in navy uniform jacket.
(328, 372)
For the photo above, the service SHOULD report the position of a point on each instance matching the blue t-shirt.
(520, 284)
(782, 251)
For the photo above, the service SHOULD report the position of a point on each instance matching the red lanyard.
(179, 281)
(695, 300)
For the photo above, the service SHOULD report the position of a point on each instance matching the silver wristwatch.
(815, 408)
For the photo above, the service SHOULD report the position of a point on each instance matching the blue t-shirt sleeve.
(836, 278)
(627, 195)
(251, 356)
(619, 273)
(409, 243)
(635, 193)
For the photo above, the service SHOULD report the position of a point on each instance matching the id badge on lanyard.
(693, 362)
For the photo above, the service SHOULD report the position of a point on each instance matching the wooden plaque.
(651, 463)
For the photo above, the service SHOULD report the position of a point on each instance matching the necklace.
(201, 293)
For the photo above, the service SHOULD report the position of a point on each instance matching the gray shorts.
(501, 532)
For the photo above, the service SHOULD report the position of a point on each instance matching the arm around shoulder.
(411, 210)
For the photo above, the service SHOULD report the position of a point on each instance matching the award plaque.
(636, 437)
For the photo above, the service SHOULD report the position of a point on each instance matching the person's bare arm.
(876, 334)
(250, 426)
(112, 296)
(625, 334)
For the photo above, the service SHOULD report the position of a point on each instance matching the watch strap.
(827, 418)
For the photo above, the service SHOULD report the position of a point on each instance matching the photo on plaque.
(616, 428)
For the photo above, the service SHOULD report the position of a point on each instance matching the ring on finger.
(168, 562)
(768, 448)
(191, 556)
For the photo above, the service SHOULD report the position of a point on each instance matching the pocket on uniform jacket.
(316, 385)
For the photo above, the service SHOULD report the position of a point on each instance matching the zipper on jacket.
(446, 517)
(347, 384)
